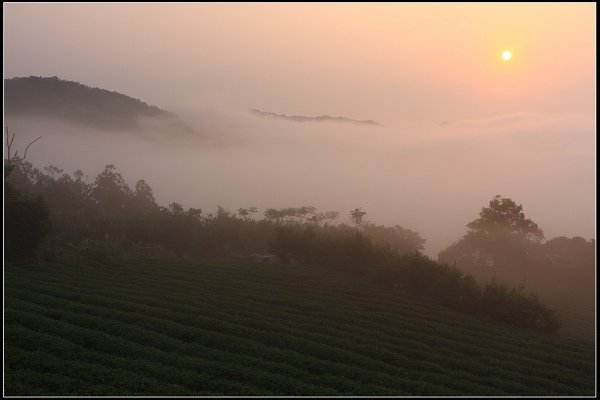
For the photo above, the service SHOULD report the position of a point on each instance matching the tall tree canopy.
(501, 236)
(504, 216)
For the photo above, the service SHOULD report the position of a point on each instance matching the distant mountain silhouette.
(321, 118)
(74, 102)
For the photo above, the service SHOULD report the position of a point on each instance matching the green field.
(177, 327)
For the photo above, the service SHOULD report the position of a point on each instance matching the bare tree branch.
(13, 159)
(9, 144)
(25, 154)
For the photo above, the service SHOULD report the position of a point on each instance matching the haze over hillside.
(394, 172)
(523, 129)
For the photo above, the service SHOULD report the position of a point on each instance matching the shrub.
(26, 223)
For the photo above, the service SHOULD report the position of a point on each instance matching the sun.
(506, 55)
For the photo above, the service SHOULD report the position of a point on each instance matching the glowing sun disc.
(506, 55)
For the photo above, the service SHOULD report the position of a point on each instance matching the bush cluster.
(412, 273)
(89, 219)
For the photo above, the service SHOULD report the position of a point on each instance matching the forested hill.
(74, 102)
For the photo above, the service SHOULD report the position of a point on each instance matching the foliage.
(501, 236)
(396, 237)
(504, 216)
(575, 253)
(343, 248)
(149, 326)
(505, 245)
(26, 223)
(90, 219)
(357, 215)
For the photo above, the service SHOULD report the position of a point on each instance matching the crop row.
(303, 332)
(192, 371)
(389, 357)
(376, 300)
(183, 307)
(476, 366)
(146, 337)
(144, 280)
(258, 273)
(442, 345)
(163, 333)
(430, 324)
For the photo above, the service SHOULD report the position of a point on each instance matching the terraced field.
(175, 327)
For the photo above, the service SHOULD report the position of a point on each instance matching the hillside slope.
(74, 102)
(176, 327)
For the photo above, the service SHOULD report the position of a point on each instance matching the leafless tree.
(13, 158)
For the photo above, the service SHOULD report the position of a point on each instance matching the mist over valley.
(409, 175)
(299, 199)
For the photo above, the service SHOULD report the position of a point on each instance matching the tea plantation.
(167, 326)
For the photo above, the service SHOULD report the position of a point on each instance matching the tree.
(396, 237)
(114, 200)
(245, 213)
(26, 219)
(111, 192)
(13, 158)
(143, 198)
(318, 217)
(573, 254)
(195, 213)
(223, 213)
(273, 214)
(176, 208)
(501, 237)
(303, 212)
(357, 215)
(504, 216)
(26, 223)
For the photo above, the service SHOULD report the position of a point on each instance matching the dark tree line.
(502, 244)
(354, 253)
(503, 239)
(90, 217)
(107, 208)
(27, 222)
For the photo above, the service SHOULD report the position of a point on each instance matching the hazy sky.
(460, 124)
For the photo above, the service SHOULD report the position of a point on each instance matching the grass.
(162, 326)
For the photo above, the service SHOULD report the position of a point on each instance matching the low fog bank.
(432, 178)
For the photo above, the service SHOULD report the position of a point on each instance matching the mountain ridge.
(57, 98)
(320, 118)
